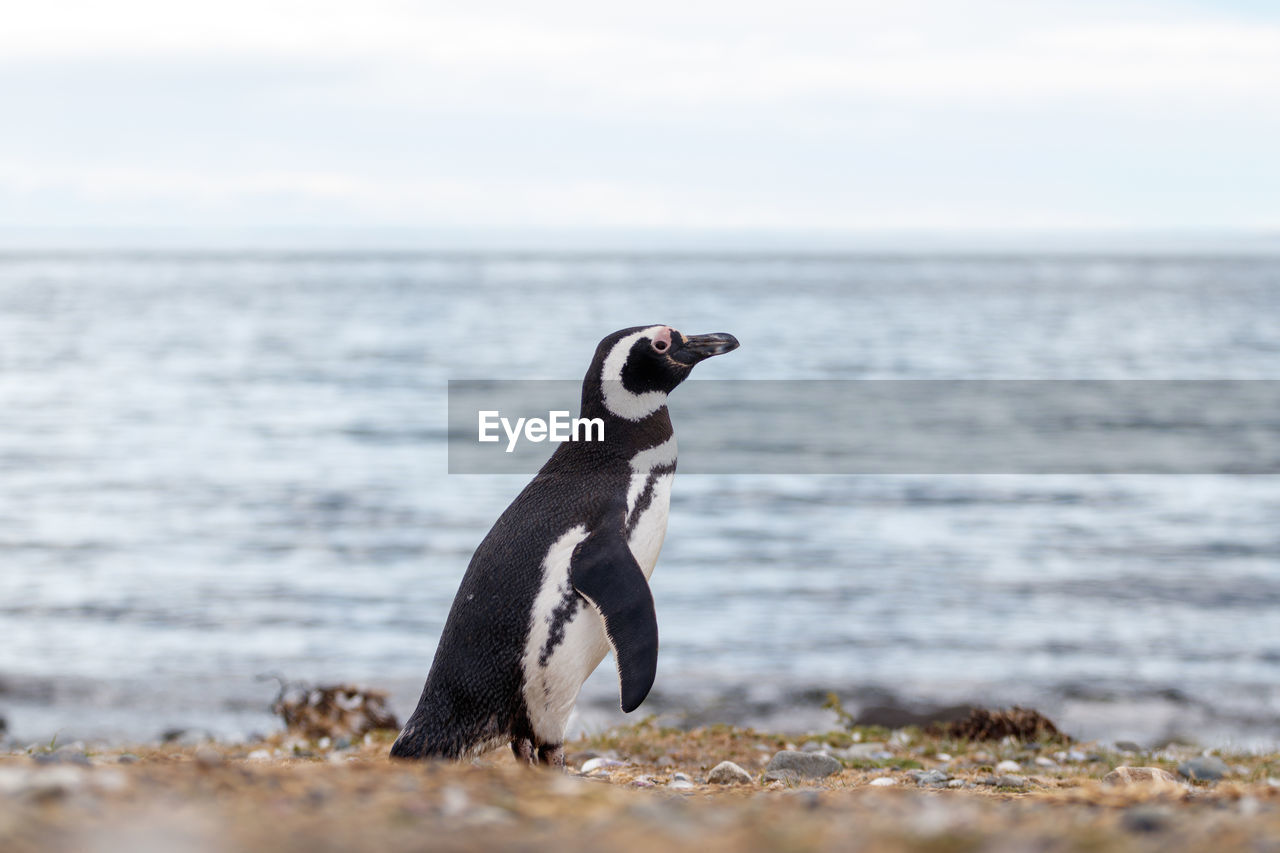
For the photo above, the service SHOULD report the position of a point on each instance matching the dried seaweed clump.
(332, 711)
(1024, 724)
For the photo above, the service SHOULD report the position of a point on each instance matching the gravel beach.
(715, 788)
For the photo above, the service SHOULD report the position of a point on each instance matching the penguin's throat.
(626, 434)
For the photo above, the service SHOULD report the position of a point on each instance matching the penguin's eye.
(660, 346)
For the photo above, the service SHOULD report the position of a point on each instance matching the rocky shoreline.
(711, 788)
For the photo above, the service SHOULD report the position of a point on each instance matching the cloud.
(920, 113)
(725, 52)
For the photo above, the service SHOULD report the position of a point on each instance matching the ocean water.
(226, 465)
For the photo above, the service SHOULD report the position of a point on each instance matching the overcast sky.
(916, 114)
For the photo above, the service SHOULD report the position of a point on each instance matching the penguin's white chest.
(566, 636)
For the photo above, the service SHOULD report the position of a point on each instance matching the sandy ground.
(291, 794)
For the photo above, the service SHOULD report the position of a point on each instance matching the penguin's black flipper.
(605, 573)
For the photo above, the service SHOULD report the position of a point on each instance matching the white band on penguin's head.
(617, 399)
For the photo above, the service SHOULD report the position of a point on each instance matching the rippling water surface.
(218, 466)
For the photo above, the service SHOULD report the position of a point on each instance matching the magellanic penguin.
(562, 577)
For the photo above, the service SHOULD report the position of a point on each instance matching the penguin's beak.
(705, 346)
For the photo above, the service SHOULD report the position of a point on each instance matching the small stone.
(956, 783)
(1008, 766)
(1140, 776)
(1206, 768)
(260, 755)
(1127, 746)
(1145, 819)
(1045, 761)
(943, 756)
(728, 773)
(680, 784)
(871, 749)
(929, 777)
(813, 746)
(806, 765)
(73, 755)
(127, 758)
(883, 782)
(208, 757)
(781, 777)
(1009, 780)
(665, 761)
(603, 765)
(642, 782)
(1273, 782)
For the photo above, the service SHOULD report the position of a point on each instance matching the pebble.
(642, 782)
(956, 783)
(600, 764)
(665, 761)
(883, 782)
(1128, 746)
(260, 755)
(62, 756)
(806, 765)
(680, 784)
(930, 777)
(1045, 761)
(208, 757)
(1145, 819)
(943, 756)
(1140, 775)
(813, 746)
(1205, 767)
(728, 773)
(1008, 766)
(1009, 780)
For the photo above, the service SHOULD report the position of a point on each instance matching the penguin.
(562, 578)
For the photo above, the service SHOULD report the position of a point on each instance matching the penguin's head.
(638, 367)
